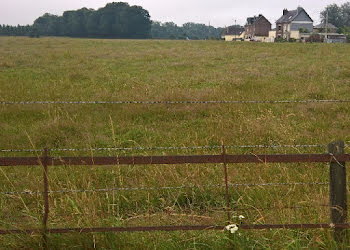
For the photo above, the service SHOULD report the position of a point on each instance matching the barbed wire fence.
(208, 147)
(44, 161)
(172, 102)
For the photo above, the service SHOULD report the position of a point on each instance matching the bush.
(301, 30)
(280, 40)
(315, 38)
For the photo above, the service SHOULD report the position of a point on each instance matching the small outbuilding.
(334, 38)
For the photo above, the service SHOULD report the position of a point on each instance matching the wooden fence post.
(228, 210)
(46, 197)
(338, 192)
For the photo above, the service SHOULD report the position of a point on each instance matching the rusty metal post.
(46, 197)
(224, 160)
(338, 192)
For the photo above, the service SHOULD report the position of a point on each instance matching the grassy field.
(61, 69)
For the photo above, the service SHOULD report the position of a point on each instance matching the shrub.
(315, 38)
(301, 30)
(280, 40)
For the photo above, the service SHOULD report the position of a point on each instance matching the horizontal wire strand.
(171, 102)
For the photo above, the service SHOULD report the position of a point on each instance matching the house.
(257, 28)
(233, 33)
(321, 28)
(295, 24)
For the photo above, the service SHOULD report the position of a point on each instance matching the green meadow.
(62, 69)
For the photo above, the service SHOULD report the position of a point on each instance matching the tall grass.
(83, 69)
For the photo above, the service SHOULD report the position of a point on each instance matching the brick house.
(257, 26)
(293, 24)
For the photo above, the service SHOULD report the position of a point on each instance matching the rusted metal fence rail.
(173, 148)
(336, 159)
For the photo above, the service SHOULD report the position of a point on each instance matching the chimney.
(285, 11)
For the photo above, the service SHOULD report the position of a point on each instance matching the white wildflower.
(232, 228)
(241, 217)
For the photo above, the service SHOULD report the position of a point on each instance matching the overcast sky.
(217, 12)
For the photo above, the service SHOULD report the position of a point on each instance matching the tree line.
(115, 20)
(193, 31)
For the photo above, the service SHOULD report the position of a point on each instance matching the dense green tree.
(334, 12)
(168, 30)
(92, 24)
(195, 31)
(47, 24)
(115, 20)
(339, 15)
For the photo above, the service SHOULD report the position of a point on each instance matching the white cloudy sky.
(217, 12)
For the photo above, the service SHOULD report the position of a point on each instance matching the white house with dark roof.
(233, 33)
(294, 24)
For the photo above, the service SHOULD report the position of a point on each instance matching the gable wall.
(262, 27)
(303, 17)
(297, 26)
